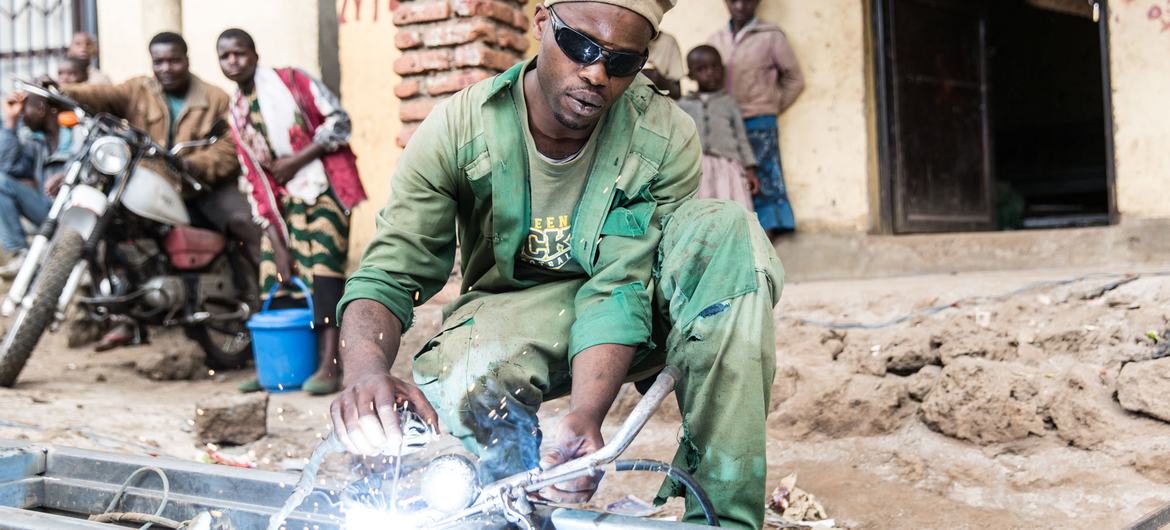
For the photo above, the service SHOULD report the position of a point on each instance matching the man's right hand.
(364, 416)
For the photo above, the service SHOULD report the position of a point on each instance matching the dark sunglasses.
(583, 50)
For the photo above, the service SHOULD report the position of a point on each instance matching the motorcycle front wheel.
(32, 320)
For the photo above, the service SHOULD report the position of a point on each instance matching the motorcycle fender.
(85, 206)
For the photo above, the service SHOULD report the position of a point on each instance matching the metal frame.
(57, 487)
(45, 487)
(877, 12)
(1107, 89)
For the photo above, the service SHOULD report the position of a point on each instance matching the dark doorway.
(1049, 116)
(993, 114)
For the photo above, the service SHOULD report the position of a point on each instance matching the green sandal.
(315, 386)
(249, 386)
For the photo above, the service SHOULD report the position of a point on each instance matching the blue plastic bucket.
(284, 343)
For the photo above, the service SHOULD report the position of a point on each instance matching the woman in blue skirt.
(765, 79)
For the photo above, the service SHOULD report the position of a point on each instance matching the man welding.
(567, 182)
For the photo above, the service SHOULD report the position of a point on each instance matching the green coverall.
(689, 283)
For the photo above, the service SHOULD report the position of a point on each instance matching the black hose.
(685, 478)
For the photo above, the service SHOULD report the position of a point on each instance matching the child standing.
(764, 77)
(728, 163)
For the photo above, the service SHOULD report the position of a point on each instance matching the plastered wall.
(366, 53)
(285, 32)
(1139, 44)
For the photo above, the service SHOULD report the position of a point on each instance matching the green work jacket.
(465, 172)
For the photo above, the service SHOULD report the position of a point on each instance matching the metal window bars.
(34, 35)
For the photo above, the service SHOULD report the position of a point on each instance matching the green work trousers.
(498, 356)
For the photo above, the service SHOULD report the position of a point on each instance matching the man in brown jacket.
(176, 106)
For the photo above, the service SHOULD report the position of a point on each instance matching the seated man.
(175, 106)
(566, 182)
(27, 159)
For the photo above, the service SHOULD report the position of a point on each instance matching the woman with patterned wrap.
(291, 137)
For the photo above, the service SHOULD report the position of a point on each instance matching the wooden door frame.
(1107, 89)
(877, 11)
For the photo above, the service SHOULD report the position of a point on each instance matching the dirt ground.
(995, 413)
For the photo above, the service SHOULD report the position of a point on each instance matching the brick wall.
(449, 44)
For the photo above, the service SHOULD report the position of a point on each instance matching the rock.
(867, 359)
(920, 384)
(835, 347)
(900, 351)
(1143, 387)
(968, 339)
(82, 331)
(1079, 408)
(232, 419)
(1069, 340)
(172, 364)
(832, 403)
(834, 342)
(984, 402)
(1154, 464)
(911, 351)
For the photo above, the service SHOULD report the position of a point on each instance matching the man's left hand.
(577, 436)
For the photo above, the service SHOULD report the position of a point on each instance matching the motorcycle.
(119, 229)
(435, 486)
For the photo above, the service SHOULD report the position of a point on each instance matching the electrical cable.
(654, 466)
(166, 484)
(965, 301)
(131, 517)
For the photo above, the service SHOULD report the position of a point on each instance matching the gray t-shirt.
(555, 188)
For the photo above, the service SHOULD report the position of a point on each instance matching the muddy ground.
(1045, 409)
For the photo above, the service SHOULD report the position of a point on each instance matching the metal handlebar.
(51, 94)
(500, 495)
(663, 386)
(172, 159)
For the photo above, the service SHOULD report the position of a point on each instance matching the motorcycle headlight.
(110, 155)
(450, 483)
